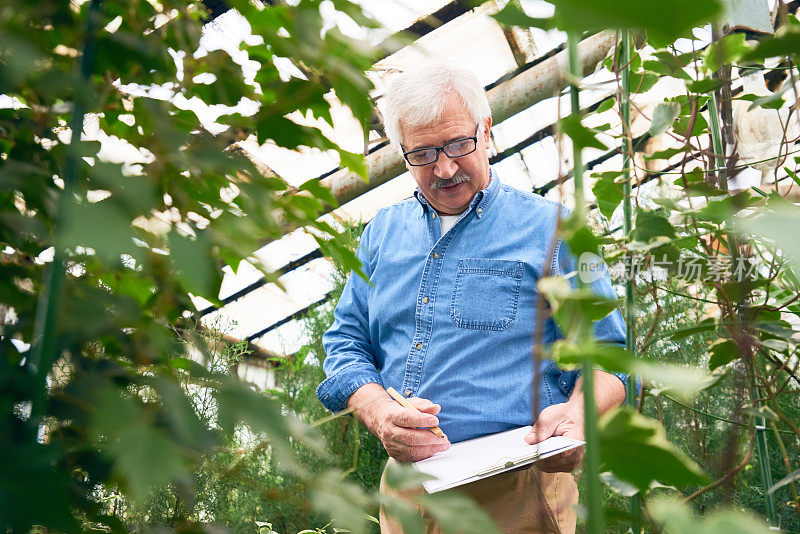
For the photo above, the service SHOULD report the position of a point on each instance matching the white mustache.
(458, 178)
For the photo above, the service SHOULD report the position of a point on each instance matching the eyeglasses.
(452, 149)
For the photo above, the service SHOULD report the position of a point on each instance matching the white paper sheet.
(482, 457)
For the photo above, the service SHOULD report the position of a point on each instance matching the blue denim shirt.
(451, 317)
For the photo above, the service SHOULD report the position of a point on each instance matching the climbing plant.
(686, 232)
(100, 259)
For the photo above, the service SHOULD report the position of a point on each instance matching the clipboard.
(478, 458)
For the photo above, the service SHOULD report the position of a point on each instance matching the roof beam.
(507, 99)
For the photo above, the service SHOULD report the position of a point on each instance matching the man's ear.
(486, 135)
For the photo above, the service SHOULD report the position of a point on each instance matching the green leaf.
(238, 403)
(683, 381)
(667, 153)
(606, 104)
(773, 101)
(579, 237)
(194, 264)
(695, 184)
(706, 85)
(513, 15)
(699, 127)
(785, 481)
(131, 284)
(341, 255)
(650, 225)
(643, 81)
(673, 63)
(341, 499)
(620, 487)
(666, 68)
(609, 356)
(404, 512)
(717, 211)
(722, 351)
(321, 192)
(143, 455)
(778, 345)
(133, 192)
(179, 414)
(663, 117)
(582, 137)
(555, 288)
(727, 50)
(102, 226)
(574, 313)
(636, 450)
(706, 325)
(32, 491)
(607, 192)
(403, 477)
(779, 226)
(793, 175)
(785, 42)
(354, 162)
(455, 513)
(677, 517)
(664, 23)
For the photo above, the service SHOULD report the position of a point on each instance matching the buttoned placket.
(428, 285)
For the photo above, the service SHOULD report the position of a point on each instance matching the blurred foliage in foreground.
(99, 258)
(242, 487)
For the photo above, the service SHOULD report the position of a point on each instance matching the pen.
(399, 398)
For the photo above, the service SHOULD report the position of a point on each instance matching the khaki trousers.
(524, 500)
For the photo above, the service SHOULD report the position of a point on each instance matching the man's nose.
(445, 167)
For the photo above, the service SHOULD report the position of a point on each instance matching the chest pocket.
(486, 294)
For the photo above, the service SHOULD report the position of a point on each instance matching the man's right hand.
(398, 427)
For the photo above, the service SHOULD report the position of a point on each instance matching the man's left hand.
(564, 419)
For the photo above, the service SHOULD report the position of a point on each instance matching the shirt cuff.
(334, 391)
(622, 376)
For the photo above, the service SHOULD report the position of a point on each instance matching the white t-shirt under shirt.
(447, 221)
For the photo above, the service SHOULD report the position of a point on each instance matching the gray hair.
(416, 98)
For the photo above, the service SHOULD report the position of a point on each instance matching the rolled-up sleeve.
(349, 362)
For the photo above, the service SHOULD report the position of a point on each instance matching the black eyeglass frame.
(443, 148)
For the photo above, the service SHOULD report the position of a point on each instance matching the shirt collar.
(480, 202)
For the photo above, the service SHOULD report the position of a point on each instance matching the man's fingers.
(542, 429)
(410, 445)
(411, 419)
(424, 405)
(413, 454)
(414, 437)
(420, 453)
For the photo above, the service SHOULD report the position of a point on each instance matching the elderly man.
(450, 315)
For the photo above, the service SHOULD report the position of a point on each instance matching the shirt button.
(435, 255)
(425, 300)
(408, 393)
(433, 215)
(480, 210)
(419, 346)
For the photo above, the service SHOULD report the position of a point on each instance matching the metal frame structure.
(512, 93)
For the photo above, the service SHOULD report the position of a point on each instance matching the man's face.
(449, 184)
